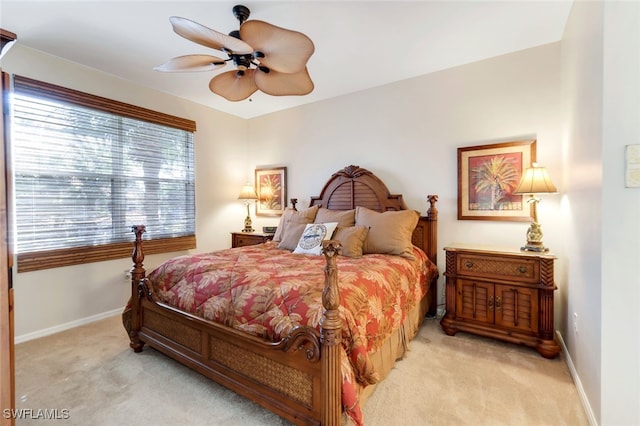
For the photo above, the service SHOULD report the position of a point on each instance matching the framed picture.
(487, 177)
(271, 188)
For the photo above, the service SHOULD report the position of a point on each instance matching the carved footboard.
(297, 378)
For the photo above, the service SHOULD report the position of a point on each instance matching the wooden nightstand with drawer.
(503, 294)
(241, 239)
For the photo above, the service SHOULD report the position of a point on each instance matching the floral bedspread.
(266, 291)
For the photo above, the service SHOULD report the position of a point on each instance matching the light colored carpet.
(461, 380)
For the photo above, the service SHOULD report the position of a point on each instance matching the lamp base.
(537, 247)
(247, 221)
(534, 239)
(247, 225)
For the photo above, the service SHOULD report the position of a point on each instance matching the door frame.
(7, 354)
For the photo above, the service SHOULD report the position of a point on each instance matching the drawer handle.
(522, 269)
(469, 264)
(498, 303)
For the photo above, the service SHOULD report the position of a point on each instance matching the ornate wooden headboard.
(355, 186)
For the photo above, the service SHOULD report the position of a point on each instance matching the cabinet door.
(475, 301)
(516, 307)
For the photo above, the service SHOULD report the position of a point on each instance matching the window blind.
(84, 173)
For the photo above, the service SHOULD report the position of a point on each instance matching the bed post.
(432, 216)
(137, 273)
(331, 338)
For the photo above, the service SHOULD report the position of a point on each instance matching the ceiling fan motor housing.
(241, 13)
(243, 62)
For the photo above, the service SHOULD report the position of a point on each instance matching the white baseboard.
(576, 380)
(66, 326)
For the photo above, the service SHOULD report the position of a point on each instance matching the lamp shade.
(535, 181)
(248, 193)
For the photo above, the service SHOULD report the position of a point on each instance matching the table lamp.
(535, 180)
(248, 194)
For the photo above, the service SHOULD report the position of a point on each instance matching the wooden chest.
(503, 294)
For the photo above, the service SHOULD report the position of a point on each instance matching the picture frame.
(271, 189)
(487, 177)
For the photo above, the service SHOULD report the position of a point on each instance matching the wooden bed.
(298, 377)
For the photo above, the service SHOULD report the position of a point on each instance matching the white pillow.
(314, 233)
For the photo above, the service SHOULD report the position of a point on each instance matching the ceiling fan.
(267, 58)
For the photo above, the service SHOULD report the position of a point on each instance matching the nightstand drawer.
(500, 268)
(241, 239)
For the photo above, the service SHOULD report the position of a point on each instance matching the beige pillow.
(300, 216)
(389, 232)
(344, 218)
(352, 239)
(292, 235)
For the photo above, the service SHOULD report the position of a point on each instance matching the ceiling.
(358, 45)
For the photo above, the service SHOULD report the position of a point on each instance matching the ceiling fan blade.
(284, 50)
(281, 84)
(233, 87)
(189, 63)
(200, 34)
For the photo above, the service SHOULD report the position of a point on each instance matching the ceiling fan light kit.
(266, 57)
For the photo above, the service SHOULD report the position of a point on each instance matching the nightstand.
(241, 239)
(501, 293)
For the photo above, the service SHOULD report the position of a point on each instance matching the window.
(88, 168)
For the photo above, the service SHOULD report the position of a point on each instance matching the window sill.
(28, 262)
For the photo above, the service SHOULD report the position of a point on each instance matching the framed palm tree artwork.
(487, 177)
(271, 189)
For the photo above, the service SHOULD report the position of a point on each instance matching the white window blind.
(85, 173)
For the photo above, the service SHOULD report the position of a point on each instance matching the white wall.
(582, 158)
(55, 299)
(620, 363)
(408, 134)
(601, 78)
